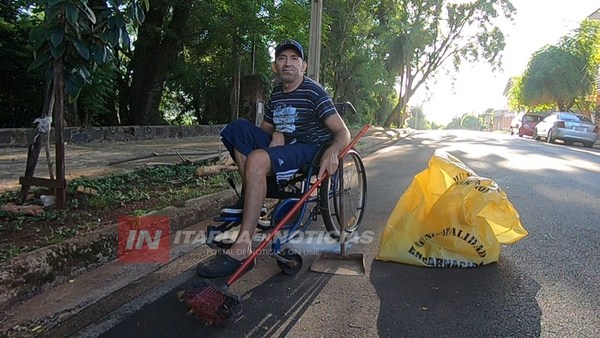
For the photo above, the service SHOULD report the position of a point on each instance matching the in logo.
(143, 239)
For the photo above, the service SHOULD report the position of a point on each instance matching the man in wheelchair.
(299, 118)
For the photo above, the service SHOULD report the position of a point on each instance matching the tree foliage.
(82, 36)
(352, 66)
(189, 57)
(516, 101)
(562, 75)
(216, 50)
(72, 39)
(417, 119)
(469, 121)
(554, 75)
(423, 35)
(21, 92)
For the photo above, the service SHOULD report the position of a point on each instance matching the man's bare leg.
(240, 160)
(258, 165)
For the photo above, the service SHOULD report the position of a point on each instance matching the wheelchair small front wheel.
(354, 197)
(295, 262)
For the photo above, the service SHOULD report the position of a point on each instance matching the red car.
(525, 124)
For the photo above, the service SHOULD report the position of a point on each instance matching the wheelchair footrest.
(228, 219)
(213, 231)
(220, 245)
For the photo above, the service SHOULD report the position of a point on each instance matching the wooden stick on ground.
(214, 169)
(160, 164)
(204, 158)
(155, 154)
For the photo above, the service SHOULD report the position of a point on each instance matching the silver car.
(568, 127)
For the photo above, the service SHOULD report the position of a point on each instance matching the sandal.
(220, 266)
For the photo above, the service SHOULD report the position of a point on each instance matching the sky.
(476, 87)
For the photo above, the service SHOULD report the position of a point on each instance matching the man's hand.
(329, 162)
(277, 139)
(341, 137)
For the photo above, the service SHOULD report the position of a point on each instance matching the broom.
(213, 303)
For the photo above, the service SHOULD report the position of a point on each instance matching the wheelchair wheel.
(354, 197)
(292, 268)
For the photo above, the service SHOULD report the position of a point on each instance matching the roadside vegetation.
(561, 76)
(105, 200)
(190, 58)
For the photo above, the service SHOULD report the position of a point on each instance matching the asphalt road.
(546, 285)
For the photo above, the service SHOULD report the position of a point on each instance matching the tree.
(513, 93)
(21, 92)
(564, 74)
(226, 41)
(486, 120)
(417, 119)
(470, 121)
(455, 123)
(351, 64)
(586, 43)
(466, 121)
(159, 41)
(194, 53)
(71, 40)
(555, 75)
(423, 35)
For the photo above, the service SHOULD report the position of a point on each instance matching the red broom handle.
(238, 273)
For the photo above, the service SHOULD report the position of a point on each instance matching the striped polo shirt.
(300, 114)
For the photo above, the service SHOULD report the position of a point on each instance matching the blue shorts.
(245, 137)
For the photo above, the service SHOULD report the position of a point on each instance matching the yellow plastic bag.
(449, 217)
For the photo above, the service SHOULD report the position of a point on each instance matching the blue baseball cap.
(289, 44)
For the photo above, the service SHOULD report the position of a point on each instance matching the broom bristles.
(214, 306)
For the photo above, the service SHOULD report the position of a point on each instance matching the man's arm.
(277, 138)
(341, 138)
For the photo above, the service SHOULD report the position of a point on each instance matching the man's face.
(289, 66)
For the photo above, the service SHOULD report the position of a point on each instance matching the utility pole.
(314, 48)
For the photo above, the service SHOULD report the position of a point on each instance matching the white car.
(568, 127)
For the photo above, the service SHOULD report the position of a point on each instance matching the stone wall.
(21, 137)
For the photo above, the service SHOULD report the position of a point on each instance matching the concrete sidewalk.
(26, 281)
(94, 159)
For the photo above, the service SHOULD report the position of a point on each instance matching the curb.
(34, 272)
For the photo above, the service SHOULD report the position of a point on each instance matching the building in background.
(502, 118)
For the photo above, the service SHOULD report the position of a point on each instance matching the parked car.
(524, 124)
(568, 127)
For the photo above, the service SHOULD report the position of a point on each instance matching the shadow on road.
(269, 309)
(496, 300)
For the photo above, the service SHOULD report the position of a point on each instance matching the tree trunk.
(235, 88)
(155, 50)
(396, 114)
(59, 146)
(406, 92)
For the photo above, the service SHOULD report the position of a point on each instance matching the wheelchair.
(326, 202)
